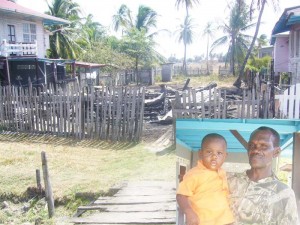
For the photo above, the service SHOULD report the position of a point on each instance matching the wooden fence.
(114, 113)
(216, 103)
(289, 103)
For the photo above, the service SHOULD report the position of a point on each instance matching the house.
(23, 45)
(22, 30)
(265, 51)
(286, 41)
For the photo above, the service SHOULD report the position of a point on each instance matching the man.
(257, 196)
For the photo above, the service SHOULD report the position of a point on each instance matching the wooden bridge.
(138, 202)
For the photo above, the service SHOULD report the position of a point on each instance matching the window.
(29, 32)
(11, 33)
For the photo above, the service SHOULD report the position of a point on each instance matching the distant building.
(265, 51)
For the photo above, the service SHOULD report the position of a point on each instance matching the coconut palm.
(187, 3)
(63, 41)
(146, 19)
(235, 37)
(137, 40)
(94, 30)
(208, 31)
(259, 5)
(186, 35)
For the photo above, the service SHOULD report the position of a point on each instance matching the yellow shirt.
(208, 193)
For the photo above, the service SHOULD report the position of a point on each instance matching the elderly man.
(258, 197)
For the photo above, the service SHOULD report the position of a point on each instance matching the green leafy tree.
(140, 47)
(260, 6)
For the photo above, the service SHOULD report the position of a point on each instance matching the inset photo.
(242, 170)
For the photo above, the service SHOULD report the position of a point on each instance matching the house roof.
(289, 17)
(12, 8)
(89, 65)
(189, 132)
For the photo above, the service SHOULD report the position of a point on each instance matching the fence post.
(38, 181)
(48, 188)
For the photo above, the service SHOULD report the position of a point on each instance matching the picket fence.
(216, 103)
(108, 113)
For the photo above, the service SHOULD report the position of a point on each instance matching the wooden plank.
(163, 217)
(141, 121)
(150, 207)
(134, 200)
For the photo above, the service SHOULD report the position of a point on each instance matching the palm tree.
(94, 30)
(186, 34)
(63, 41)
(138, 40)
(188, 4)
(208, 32)
(260, 5)
(186, 26)
(122, 18)
(235, 37)
(146, 19)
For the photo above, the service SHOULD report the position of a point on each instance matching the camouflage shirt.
(265, 202)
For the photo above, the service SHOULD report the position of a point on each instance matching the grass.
(200, 81)
(79, 172)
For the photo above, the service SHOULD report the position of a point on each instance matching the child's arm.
(185, 206)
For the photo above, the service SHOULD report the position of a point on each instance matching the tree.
(63, 41)
(140, 47)
(137, 40)
(259, 5)
(186, 27)
(208, 31)
(146, 19)
(187, 3)
(93, 30)
(186, 34)
(235, 37)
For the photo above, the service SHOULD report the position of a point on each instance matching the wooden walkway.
(140, 202)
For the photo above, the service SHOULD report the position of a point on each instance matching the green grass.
(79, 172)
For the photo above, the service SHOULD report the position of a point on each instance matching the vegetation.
(235, 37)
(259, 5)
(79, 172)
(186, 29)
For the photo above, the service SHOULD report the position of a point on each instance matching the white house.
(22, 30)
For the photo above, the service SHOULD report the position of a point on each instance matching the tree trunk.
(184, 60)
(237, 83)
(207, 66)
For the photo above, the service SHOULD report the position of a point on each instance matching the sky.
(170, 18)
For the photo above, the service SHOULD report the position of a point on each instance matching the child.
(203, 193)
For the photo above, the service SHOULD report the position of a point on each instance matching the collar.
(263, 180)
(202, 167)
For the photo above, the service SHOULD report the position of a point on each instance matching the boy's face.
(213, 153)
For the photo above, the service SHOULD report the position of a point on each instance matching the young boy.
(203, 193)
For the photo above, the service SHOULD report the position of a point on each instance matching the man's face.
(261, 150)
(213, 153)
